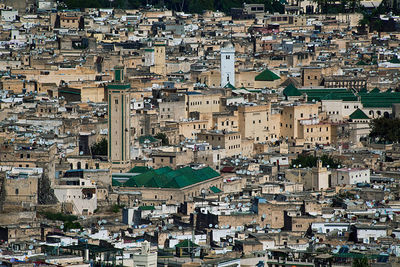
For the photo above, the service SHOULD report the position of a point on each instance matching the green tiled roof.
(139, 169)
(361, 63)
(375, 91)
(372, 99)
(115, 183)
(377, 100)
(394, 60)
(329, 94)
(147, 137)
(358, 115)
(291, 90)
(186, 244)
(147, 208)
(267, 75)
(230, 86)
(167, 178)
(118, 86)
(215, 189)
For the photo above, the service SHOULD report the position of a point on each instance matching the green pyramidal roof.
(230, 86)
(358, 115)
(375, 91)
(291, 90)
(394, 60)
(168, 178)
(186, 244)
(267, 75)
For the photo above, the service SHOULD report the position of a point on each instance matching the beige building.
(159, 59)
(300, 122)
(230, 141)
(316, 178)
(119, 125)
(254, 121)
(203, 103)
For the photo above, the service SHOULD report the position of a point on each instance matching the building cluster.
(153, 137)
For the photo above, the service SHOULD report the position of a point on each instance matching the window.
(17, 191)
(116, 101)
(228, 57)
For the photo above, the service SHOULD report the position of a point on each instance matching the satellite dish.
(210, 225)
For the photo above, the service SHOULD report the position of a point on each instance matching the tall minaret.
(119, 122)
(227, 64)
(159, 59)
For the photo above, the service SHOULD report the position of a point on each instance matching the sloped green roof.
(143, 138)
(364, 90)
(358, 115)
(291, 90)
(139, 169)
(118, 86)
(230, 86)
(115, 183)
(167, 178)
(361, 63)
(215, 189)
(329, 94)
(389, 90)
(375, 90)
(186, 244)
(394, 60)
(373, 99)
(267, 75)
(147, 208)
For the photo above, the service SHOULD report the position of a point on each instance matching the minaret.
(119, 121)
(227, 64)
(159, 59)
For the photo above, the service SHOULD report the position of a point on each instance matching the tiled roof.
(291, 90)
(358, 115)
(267, 75)
(167, 178)
(230, 86)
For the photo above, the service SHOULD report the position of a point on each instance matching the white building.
(145, 258)
(346, 176)
(9, 15)
(368, 234)
(80, 194)
(324, 227)
(227, 64)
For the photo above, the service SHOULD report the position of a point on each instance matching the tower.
(227, 64)
(159, 59)
(119, 122)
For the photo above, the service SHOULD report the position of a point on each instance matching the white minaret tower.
(227, 64)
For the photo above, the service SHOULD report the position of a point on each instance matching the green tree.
(100, 148)
(163, 137)
(361, 262)
(385, 130)
(311, 161)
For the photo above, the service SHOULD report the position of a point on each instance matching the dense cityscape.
(207, 133)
